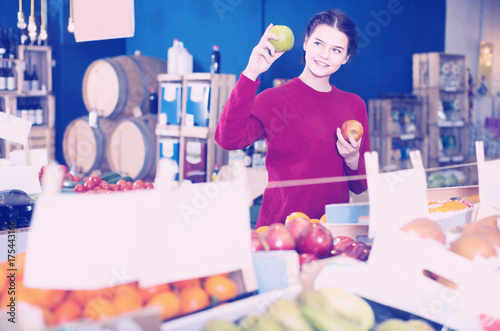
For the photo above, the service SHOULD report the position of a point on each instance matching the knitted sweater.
(299, 126)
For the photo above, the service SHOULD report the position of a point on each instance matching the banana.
(350, 306)
(394, 324)
(420, 325)
(314, 299)
(259, 322)
(287, 313)
(323, 320)
(220, 325)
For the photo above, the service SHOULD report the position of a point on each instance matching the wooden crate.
(221, 86)
(440, 70)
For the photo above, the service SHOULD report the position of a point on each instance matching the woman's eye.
(336, 50)
(317, 43)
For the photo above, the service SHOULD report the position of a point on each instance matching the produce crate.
(39, 138)
(439, 70)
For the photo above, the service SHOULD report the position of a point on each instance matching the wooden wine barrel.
(119, 87)
(84, 146)
(131, 147)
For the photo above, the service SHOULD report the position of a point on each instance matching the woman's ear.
(304, 44)
(346, 59)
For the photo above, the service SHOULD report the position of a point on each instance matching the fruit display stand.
(419, 276)
(180, 226)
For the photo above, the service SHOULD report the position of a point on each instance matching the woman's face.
(326, 50)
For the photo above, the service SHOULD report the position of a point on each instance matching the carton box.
(170, 104)
(197, 104)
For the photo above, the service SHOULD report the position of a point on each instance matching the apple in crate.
(358, 250)
(279, 238)
(315, 239)
(341, 242)
(257, 242)
(296, 225)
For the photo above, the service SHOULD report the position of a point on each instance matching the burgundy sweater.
(299, 126)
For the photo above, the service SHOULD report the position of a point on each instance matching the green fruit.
(420, 325)
(286, 38)
(394, 324)
(314, 299)
(350, 306)
(220, 325)
(259, 322)
(323, 320)
(287, 313)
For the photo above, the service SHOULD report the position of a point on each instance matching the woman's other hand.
(263, 55)
(349, 150)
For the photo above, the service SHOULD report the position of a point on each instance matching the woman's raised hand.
(263, 55)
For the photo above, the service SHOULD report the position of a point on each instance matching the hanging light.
(43, 14)
(71, 23)
(32, 25)
(21, 22)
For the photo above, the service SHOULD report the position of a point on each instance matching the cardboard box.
(197, 104)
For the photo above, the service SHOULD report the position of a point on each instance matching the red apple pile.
(311, 240)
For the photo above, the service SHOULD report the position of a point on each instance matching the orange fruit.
(193, 298)
(168, 302)
(425, 228)
(99, 308)
(221, 287)
(41, 297)
(49, 316)
(295, 215)
(442, 209)
(262, 229)
(3, 276)
(181, 284)
(67, 311)
(127, 299)
(454, 205)
(148, 292)
(315, 220)
(323, 219)
(4, 299)
(471, 245)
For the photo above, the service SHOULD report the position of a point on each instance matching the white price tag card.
(24, 178)
(90, 241)
(489, 183)
(395, 197)
(14, 129)
(99, 20)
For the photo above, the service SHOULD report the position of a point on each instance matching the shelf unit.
(42, 134)
(189, 107)
(397, 126)
(440, 79)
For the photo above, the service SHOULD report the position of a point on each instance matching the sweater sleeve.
(359, 186)
(237, 128)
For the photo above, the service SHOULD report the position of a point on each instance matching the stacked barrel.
(119, 132)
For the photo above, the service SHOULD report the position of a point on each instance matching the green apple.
(286, 38)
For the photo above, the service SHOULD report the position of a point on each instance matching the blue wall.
(391, 31)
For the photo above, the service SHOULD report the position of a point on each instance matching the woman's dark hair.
(336, 19)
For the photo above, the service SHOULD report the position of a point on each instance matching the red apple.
(341, 242)
(359, 250)
(351, 128)
(315, 239)
(258, 242)
(306, 258)
(296, 225)
(279, 238)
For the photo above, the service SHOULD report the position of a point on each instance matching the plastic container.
(215, 60)
(174, 57)
(186, 63)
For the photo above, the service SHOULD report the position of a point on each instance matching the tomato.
(105, 186)
(89, 185)
(129, 185)
(86, 179)
(63, 167)
(121, 183)
(115, 187)
(149, 185)
(70, 177)
(139, 185)
(79, 188)
(95, 179)
(42, 169)
(77, 178)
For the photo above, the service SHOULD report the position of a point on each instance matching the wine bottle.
(153, 101)
(215, 60)
(3, 77)
(12, 45)
(38, 112)
(31, 111)
(34, 80)
(10, 79)
(3, 44)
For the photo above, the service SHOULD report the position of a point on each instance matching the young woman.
(300, 122)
